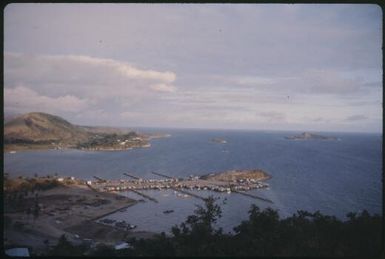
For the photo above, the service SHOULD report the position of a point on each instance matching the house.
(60, 179)
(122, 245)
(18, 252)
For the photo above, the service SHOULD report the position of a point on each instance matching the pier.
(189, 193)
(179, 189)
(253, 196)
(163, 175)
(240, 185)
(100, 179)
(131, 176)
(111, 212)
(144, 195)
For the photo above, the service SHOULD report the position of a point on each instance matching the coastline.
(71, 210)
(18, 148)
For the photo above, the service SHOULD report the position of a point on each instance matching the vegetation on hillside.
(45, 131)
(113, 141)
(263, 234)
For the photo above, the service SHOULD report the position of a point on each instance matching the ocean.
(334, 177)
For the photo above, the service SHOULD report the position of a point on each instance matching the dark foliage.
(66, 248)
(263, 234)
(100, 140)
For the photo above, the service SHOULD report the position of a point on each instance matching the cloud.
(124, 68)
(163, 88)
(21, 99)
(92, 74)
(323, 81)
(71, 78)
(254, 80)
(304, 61)
(272, 116)
(357, 117)
(319, 119)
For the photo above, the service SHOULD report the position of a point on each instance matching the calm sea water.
(334, 177)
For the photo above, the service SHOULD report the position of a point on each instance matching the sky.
(314, 67)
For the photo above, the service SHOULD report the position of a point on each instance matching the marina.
(179, 185)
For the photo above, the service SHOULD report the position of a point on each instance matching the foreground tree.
(197, 235)
(262, 234)
(66, 248)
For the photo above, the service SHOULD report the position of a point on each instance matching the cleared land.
(65, 209)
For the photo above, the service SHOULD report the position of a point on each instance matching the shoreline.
(67, 210)
(11, 148)
(21, 149)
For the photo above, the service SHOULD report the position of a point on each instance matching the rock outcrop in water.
(310, 136)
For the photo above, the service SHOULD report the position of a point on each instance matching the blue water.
(335, 177)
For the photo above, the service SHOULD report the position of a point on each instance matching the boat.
(168, 211)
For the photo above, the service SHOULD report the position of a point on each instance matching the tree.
(197, 236)
(66, 248)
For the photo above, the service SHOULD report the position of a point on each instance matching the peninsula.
(310, 136)
(45, 131)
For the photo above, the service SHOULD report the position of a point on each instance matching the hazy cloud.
(22, 99)
(211, 65)
(78, 79)
(357, 117)
(163, 88)
(272, 115)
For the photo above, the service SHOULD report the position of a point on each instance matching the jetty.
(163, 175)
(144, 195)
(189, 193)
(110, 212)
(179, 189)
(236, 181)
(131, 176)
(100, 179)
(252, 196)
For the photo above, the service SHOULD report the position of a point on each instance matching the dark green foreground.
(263, 234)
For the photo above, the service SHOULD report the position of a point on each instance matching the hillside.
(42, 128)
(45, 131)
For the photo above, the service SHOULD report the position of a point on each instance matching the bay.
(334, 177)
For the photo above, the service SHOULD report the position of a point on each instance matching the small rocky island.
(310, 136)
(219, 140)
